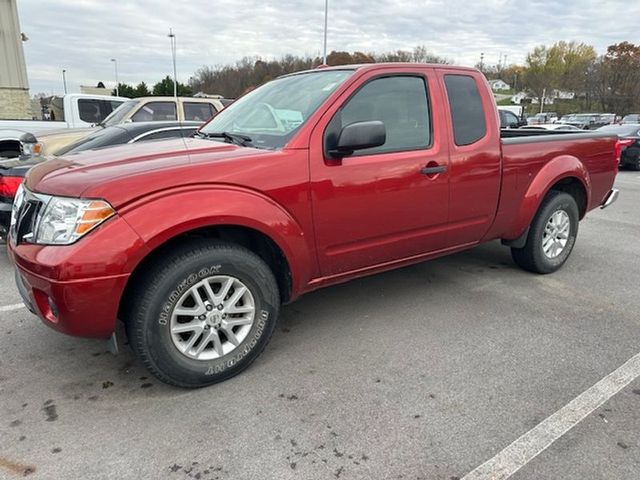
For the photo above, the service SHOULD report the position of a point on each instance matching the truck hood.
(62, 132)
(121, 173)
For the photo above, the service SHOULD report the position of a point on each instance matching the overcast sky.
(82, 36)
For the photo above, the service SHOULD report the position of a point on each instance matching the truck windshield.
(119, 113)
(270, 115)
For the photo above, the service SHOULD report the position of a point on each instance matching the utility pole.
(544, 94)
(326, 16)
(64, 80)
(481, 60)
(172, 39)
(115, 63)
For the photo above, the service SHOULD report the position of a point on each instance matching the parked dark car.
(12, 172)
(509, 119)
(628, 145)
(587, 121)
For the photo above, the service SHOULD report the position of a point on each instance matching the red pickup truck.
(312, 179)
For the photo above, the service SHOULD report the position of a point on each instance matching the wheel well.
(253, 240)
(575, 188)
(10, 146)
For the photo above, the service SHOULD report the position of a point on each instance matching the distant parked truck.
(143, 109)
(71, 111)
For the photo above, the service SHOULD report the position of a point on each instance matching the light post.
(115, 63)
(326, 15)
(172, 39)
(64, 81)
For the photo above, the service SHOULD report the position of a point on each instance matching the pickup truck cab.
(310, 180)
(72, 111)
(143, 109)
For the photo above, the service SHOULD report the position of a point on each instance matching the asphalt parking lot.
(421, 373)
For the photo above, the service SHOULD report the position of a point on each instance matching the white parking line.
(539, 438)
(8, 308)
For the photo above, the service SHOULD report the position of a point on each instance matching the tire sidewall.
(566, 203)
(157, 322)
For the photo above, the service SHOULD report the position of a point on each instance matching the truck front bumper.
(610, 197)
(85, 308)
(76, 289)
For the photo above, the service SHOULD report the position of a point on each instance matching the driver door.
(381, 204)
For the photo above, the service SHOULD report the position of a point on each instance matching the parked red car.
(312, 179)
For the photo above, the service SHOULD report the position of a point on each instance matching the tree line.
(231, 81)
(163, 88)
(609, 82)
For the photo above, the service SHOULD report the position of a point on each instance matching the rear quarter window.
(467, 113)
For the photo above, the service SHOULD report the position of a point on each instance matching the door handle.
(433, 170)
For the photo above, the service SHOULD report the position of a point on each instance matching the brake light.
(621, 144)
(9, 186)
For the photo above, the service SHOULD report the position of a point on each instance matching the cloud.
(82, 36)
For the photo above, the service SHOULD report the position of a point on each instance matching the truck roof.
(72, 96)
(383, 66)
(167, 98)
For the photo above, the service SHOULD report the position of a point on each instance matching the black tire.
(532, 256)
(159, 289)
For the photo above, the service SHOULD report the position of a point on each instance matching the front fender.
(561, 167)
(161, 217)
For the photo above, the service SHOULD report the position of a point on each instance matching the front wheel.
(552, 235)
(202, 314)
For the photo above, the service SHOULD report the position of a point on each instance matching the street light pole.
(172, 38)
(64, 80)
(326, 15)
(115, 63)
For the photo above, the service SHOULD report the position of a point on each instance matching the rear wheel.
(552, 235)
(203, 314)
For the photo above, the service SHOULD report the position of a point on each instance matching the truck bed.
(531, 156)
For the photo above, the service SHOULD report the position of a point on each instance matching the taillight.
(9, 186)
(621, 144)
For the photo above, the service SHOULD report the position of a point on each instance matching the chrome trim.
(157, 130)
(611, 197)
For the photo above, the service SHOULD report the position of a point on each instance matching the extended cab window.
(198, 111)
(95, 111)
(465, 104)
(155, 112)
(398, 102)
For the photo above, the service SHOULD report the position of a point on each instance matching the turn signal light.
(96, 212)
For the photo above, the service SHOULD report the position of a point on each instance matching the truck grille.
(26, 218)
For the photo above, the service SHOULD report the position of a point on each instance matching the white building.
(498, 85)
(14, 85)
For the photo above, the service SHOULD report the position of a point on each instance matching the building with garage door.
(14, 86)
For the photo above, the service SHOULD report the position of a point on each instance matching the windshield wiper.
(236, 138)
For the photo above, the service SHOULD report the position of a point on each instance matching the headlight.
(64, 220)
(32, 149)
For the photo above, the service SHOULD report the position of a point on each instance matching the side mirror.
(358, 136)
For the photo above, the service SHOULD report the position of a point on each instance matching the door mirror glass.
(358, 136)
